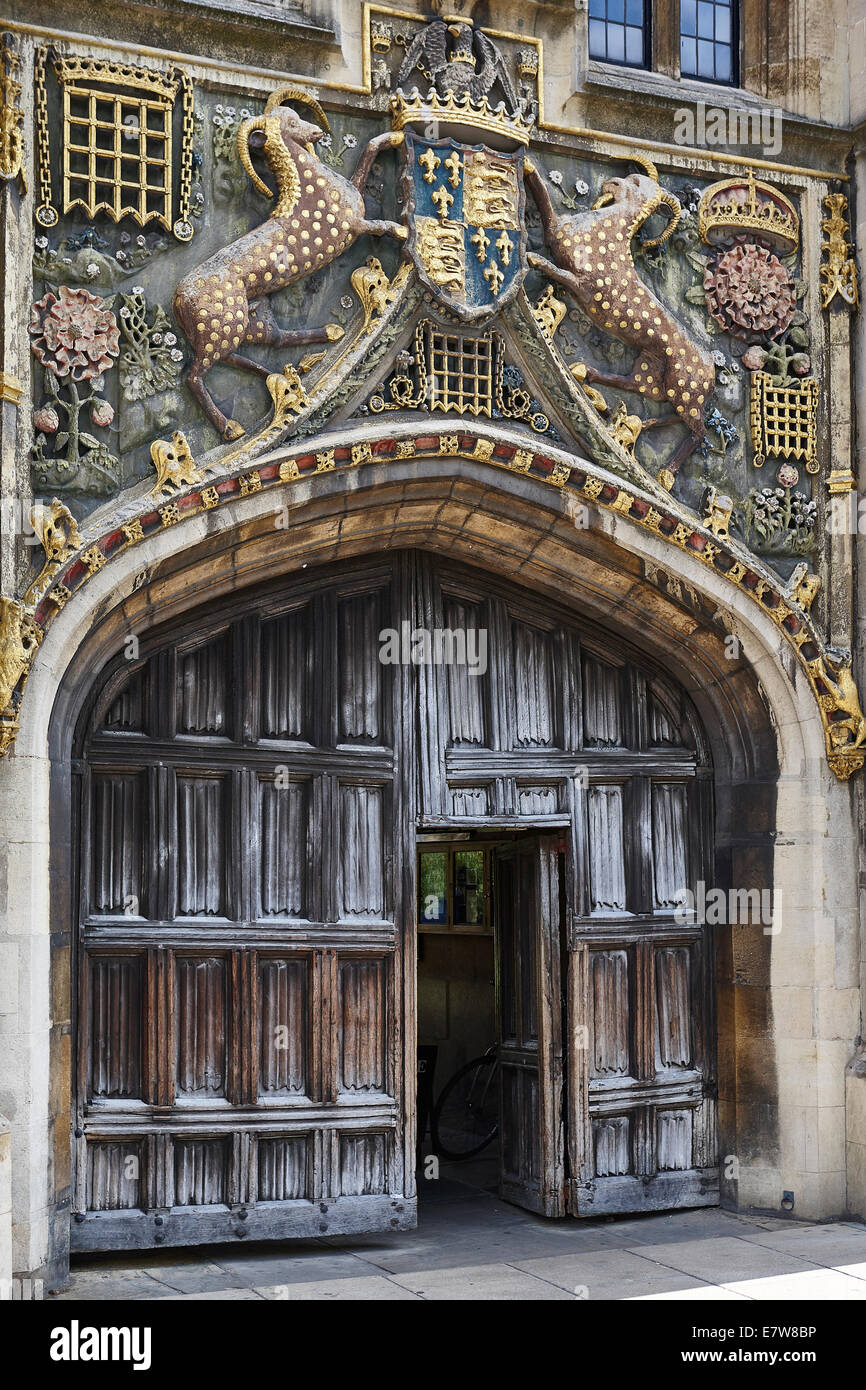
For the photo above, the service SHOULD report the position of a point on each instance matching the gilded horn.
(284, 94)
(297, 94)
(676, 213)
(645, 163)
(265, 124)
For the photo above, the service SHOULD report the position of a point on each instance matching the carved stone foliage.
(75, 336)
(839, 270)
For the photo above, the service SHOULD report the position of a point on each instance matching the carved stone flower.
(749, 292)
(102, 413)
(73, 335)
(46, 419)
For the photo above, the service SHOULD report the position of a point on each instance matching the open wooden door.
(529, 918)
(641, 1110)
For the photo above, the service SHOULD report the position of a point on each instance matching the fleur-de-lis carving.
(429, 163)
(504, 246)
(453, 164)
(480, 241)
(494, 277)
(442, 200)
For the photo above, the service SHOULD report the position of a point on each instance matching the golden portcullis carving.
(784, 420)
(118, 142)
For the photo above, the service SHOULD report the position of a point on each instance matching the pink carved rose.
(73, 334)
(46, 419)
(754, 358)
(101, 413)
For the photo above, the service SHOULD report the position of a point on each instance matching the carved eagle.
(457, 58)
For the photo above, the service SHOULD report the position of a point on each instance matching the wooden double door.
(247, 796)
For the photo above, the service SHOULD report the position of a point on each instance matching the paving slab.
(609, 1274)
(212, 1296)
(283, 1266)
(815, 1285)
(481, 1282)
(111, 1283)
(724, 1259)
(678, 1226)
(371, 1288)
(704, 1293)
(195, 1278)
(823, 1245)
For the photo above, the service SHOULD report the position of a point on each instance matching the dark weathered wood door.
(244, 1025)
(641, 1109)
(528, 919)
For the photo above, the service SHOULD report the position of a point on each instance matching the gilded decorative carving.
(58, 534)
(11, 117)
(133, 179)
(839, 271)
(549, 312)
(20, 636)
(749, 208)
(717, 511)
(375, 291)
(10, 388)
(174, 464)
(844, 723)
(803, 587)
(784, 419)
(625, 428)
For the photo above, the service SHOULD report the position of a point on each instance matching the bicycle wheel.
(466, 1115)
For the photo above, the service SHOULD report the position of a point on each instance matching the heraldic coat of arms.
(464, 202)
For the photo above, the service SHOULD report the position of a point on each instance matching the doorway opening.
(490, 919)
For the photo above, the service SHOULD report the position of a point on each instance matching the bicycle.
(465, 1118)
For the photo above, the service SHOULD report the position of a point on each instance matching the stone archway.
(767, 745)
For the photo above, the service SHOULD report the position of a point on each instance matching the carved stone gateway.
(299, 362)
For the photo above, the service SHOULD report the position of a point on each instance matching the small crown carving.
(412, 109)
(735, 207)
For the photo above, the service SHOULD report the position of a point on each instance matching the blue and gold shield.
(466, 228)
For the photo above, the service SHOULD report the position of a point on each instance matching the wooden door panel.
(362, 1015)
(283, 1027)
(202, 1012)
(528, 911)
(282, 833)
(115, 1027)
(242, 997)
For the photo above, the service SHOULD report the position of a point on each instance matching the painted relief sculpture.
(318, 214)
(523, 302)
(592, 258)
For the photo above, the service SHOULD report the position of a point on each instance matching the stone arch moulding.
(295, 443)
